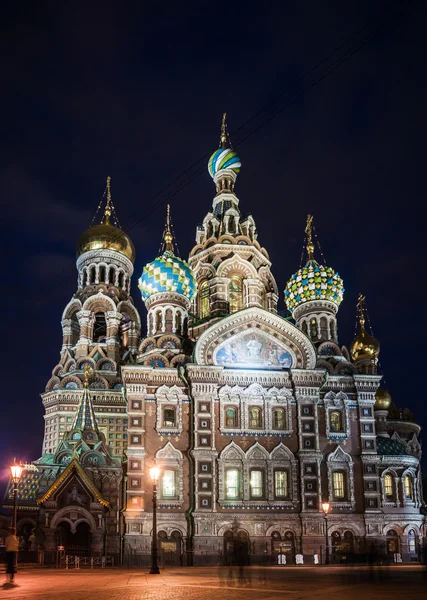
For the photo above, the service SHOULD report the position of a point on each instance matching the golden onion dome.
(106, 237)
(364, 347)
(382, 399)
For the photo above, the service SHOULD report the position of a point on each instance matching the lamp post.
(16, 471)
(325, 508)
(154, 474)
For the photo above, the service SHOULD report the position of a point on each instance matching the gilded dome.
(106, 237)
(382, 399)
(364, 347)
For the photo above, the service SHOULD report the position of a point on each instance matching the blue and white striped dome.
(167, 273)
(224, 158)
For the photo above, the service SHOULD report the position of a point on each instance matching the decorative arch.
(257, 452)
(263, 323)
(99, 302)
(128, 307)
(72, 307)
(232, 452)
(61, 516)
(238, 265)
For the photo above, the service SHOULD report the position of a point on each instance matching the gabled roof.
(73, 467)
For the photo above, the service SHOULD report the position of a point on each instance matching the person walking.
(12, 547)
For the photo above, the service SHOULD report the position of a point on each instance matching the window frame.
(235, 303)
(175, 494)
(335, 495)
(238, 485)
(173, 409)
(251, 420)
(388, 478)
(204, 300)
(332, 427)
(283, 412)
(261, 488)
(236, 420)
(286, 495)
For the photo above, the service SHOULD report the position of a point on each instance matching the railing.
(77, 562)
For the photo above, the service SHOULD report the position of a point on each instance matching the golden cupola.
(382, 399)
(364, 346)
(106, 236)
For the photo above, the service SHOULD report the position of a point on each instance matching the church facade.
(255, 420)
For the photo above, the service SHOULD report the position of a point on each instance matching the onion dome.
(382, 399)
(364, 346)
(224, 157)
(106, 236)
(314, 281)
(168, 273)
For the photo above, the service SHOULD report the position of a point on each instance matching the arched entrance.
(24, 533)
(170, 548)
(392, 542)
(78, 542)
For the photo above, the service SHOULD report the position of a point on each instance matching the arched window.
(314, 333)
(388, 486)
(99, 327)
(409, 488)
(392, 542)
(159, 321)
(102, 273)
(255, 420)
(169, 417)
(279, 418)
(281, 484)
(335, 421)
(169, 484)
(304, 327)
(412, 543)
(204, 300)
(338, 485)
(232, 484)
(235, 289)
(323, 328)
(231, 417)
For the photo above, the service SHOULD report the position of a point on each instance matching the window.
(388, 486)
(279, 418)
(169, 417)
(335, 423)
(204, 304)
(255, 418)
(256, 484)
(231, 417)
(168, 484)
(412, 546)
(408, 486)
(281, 484)
(338, 484)
(235, 289)
(313, 329)
(232, 484)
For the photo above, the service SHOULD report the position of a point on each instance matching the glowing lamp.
(325, 507)
(154, 474)
(16, 471)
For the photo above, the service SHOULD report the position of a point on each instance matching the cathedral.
(267, 430)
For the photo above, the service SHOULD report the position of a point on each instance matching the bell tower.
(100, 329)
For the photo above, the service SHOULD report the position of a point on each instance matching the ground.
(255, 583)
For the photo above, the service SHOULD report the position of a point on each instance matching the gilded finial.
(107, 211)
(361, 311)
(309, 234)
(168, 237)
(223, 139)
(87, 373)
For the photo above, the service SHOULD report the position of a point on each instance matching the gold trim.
(74, 465)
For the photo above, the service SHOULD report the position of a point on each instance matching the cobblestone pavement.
(296, 583)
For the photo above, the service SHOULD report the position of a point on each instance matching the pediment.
(257, 339)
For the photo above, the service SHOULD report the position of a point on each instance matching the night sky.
(326, 106)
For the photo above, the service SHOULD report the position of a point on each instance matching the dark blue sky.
(136, 91)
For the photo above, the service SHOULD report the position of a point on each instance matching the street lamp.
(325, 508)
(16, 471)
(154, 474)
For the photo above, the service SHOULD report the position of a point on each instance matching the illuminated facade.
(253, 419)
